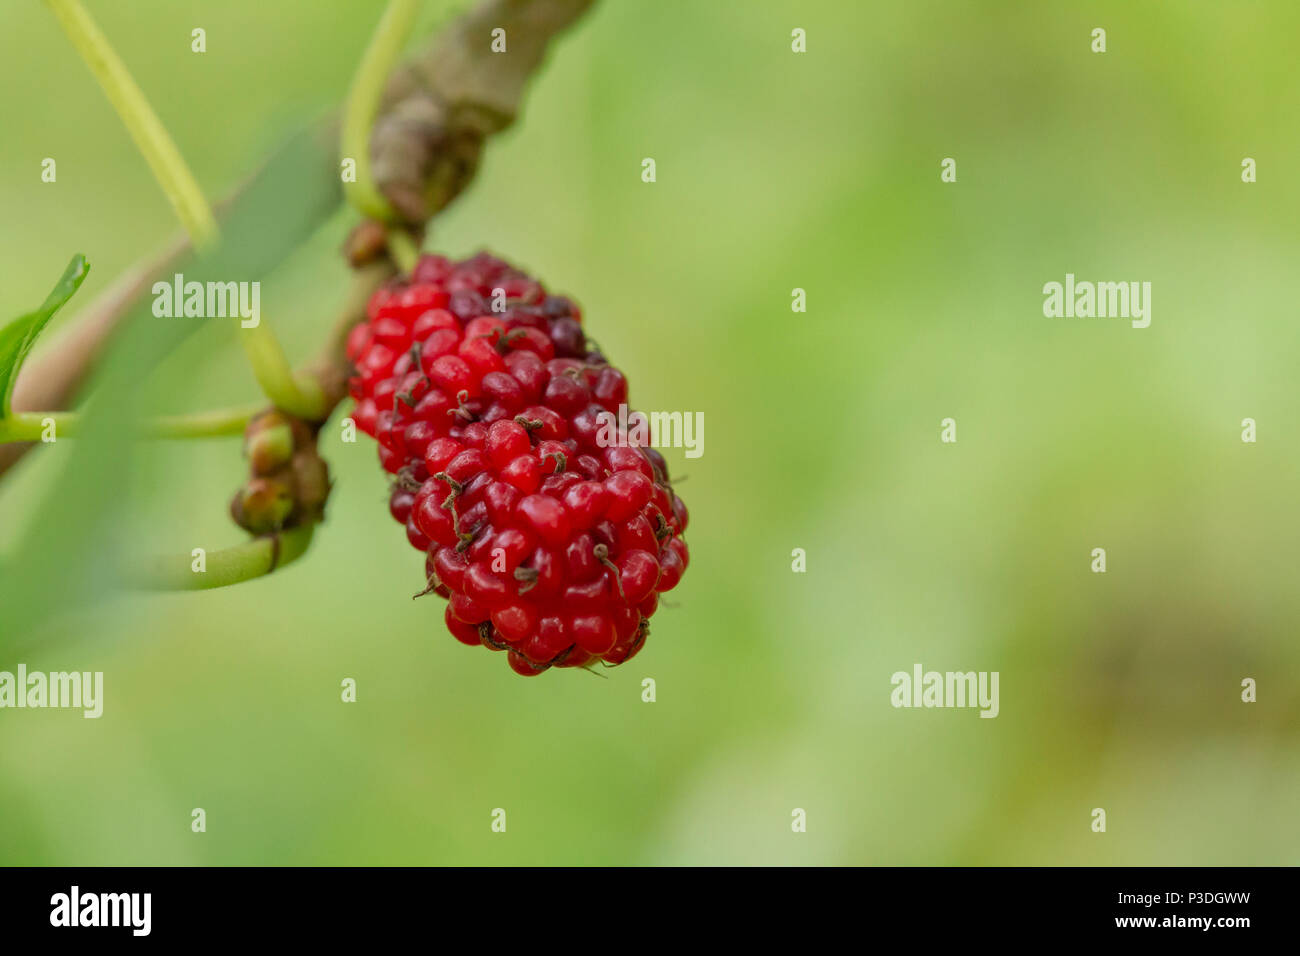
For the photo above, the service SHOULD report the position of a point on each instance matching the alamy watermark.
(922, 688)
(658, 429)
(57, 689)
(75, 908)
(1102, 300)
(208, 300)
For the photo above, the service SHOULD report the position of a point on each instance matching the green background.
(775, 170)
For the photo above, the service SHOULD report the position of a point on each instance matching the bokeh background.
(775, 171)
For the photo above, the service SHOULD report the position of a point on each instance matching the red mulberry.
(548, 530)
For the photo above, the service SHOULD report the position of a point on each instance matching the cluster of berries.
(548, 530)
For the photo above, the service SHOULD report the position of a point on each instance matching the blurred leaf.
(77, 536)
(18, 337)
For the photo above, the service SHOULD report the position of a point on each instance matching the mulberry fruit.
(547, 525)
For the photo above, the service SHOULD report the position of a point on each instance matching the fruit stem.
(298, 394)
(243, 562)
(31, 426)
(141, 121)
(363, 102)
(403, 250)
(221, 421)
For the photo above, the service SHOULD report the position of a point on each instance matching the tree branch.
(440, 107)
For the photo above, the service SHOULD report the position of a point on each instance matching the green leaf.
(18, 337)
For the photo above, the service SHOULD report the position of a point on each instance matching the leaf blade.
(18, 337)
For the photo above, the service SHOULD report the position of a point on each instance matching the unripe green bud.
(262, 505)
(270, 448)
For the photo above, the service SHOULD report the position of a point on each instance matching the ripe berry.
(545, 543)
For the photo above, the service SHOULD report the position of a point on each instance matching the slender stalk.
(213, 424)
(31, 426)
(141, 121)
(299, 395)
(363, 102)
(243, 562)
(403, 249)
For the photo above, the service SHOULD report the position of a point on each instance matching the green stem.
(298, 394)
(30, 426)
(243, 562)
(363, 102)
(213, 424)
(403, 249)
(142, 123)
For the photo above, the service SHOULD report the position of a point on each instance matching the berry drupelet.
(548, 531)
